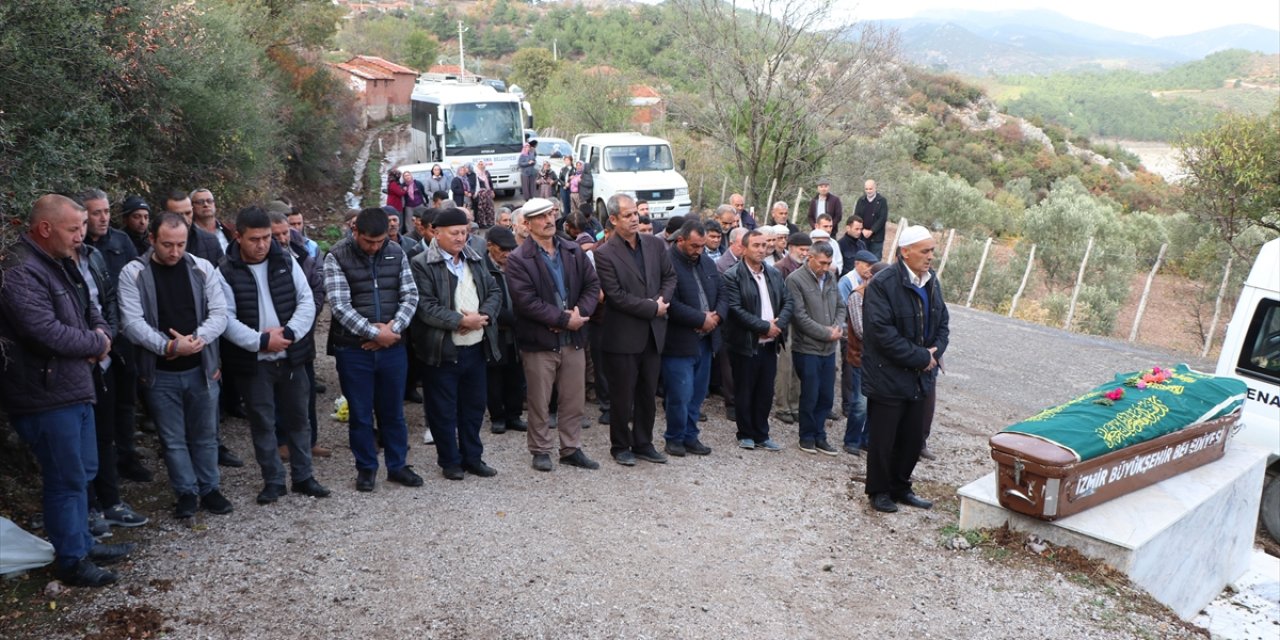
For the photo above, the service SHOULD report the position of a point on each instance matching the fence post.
(724, 184)
(769, 203)
(796, 209)
(946, 251)
(1075, 293)
(1217, 309)
(893, 250)
(1031, 260)
(978, 276)
(1146, 291)
(700, 181)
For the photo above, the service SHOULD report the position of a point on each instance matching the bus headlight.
(682, 192)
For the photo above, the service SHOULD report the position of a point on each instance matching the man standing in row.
(906, 326)
(528, 164)
(49, 328)
(205, 216)
(818, 321)
(760, 310)
(287, 236)
(638, 282)
(270, 312)
(173, 309)
(697, 309)
(873, 208)
(506, 375)
(825, 202)
(554, 290)
(135, 221)
(373, 297)
(787, 389)
(455, 335)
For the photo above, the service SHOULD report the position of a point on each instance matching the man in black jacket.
(760, 310)
(506, 375)
(135, 218)
(267, 347)
(905, 333)
(873, 208)
(693, 335)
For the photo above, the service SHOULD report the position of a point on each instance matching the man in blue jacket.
(905, 333)
(693, 335)
(54, 339)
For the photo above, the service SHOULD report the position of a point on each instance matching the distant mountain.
(1009, 42)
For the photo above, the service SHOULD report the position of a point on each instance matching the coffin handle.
(1018, 494)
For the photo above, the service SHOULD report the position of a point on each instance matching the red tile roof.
(380, 63)
(363, 72)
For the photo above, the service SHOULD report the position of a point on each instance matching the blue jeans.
(456, 400)
(686, 379)
(65, 443)
(373, 384)
(184, 406)
(817, 393)
(855, 429)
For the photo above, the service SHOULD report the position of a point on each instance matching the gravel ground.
(740, 544)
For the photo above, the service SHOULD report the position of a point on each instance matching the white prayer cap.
(913, 234)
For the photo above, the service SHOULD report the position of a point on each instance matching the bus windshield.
(648, 157)
(480, 128)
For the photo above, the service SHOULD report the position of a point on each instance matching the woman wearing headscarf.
(483, 197)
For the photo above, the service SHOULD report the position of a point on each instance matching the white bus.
(459, 121)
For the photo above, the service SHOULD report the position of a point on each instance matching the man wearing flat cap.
(554, 290)
(506, 375)
(905, 328)
(853, 401)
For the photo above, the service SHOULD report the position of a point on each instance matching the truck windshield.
(648, 157)
(481, 128)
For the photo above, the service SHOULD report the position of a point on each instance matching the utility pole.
(462, 55)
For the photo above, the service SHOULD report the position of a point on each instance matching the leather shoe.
(882, 503)
(625, 458)
(310, 487)
(321, 388)
(133, 470)
(405, 476)
(414, 396)
(580, 460)
(216, 503)
(228, 459)
(651, 455)
(318, 451)
(497, 426)
(110, 553)
(517, 425)
(271, 493)
(697, 448)
(366, 480)
(541, 462)
(452, 473)
(84, 574)
(674, 449)
(927, 454)
(604, 417)
(912, 500)
(479, 468)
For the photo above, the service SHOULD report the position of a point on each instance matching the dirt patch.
(128, 623)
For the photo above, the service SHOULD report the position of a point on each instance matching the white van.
(638, 165)
(1251, 352)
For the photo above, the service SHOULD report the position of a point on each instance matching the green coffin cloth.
(1090, 430)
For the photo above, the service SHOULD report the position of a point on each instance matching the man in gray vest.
(372, 295)
(270, 311)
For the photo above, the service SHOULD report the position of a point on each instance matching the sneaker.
(674, 448)
(824, 447)
(541, 462)
(580, 460)
(122, 515)
(808, 446)
(427, 438)
(651, 455)
(271, 493)
(110, 553)
(310, 487)
(770, 445)
(366, 480)
(216, 503)
(497, 426)
(853, 450)
(746, 443)
(405, 476)
(84, 574)
(186, 507)
(697, 448)
(98, 525)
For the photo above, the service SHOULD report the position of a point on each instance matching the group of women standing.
(473, 188)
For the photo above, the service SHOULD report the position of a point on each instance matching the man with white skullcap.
(905, 333)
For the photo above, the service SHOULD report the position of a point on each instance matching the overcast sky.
(1153, 18)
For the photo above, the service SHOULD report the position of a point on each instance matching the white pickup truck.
(1251, 352)
(638, 165)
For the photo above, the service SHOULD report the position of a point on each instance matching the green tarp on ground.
(1090, 429)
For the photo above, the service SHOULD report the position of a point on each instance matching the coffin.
(1087, 451)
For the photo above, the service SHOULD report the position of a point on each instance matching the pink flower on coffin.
(1115, 394)
(1141, 384)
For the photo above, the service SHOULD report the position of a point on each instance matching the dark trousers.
(817, 393)
(506, 387)
(373, 384)
(595, 338)
(456, 402)
(104, 490)
(895, 432)
(62, 441)
(126, 416)
(722, 369)
(275, 397)
(633, 388)
(282, 433)
(753, 377)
